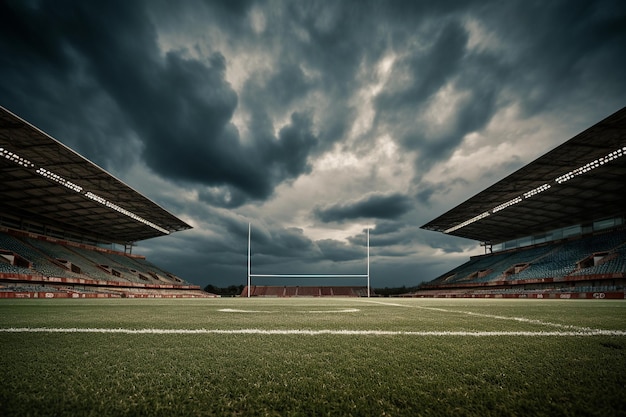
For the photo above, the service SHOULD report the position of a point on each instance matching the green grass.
(323, 374)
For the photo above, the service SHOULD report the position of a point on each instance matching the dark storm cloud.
(179, 107)
(447, 244)
(230, 110)
(389, 233)
(567, 55)
(373, 206)
(337, 251)
(285, 86)
(572, 48)
(446, 61)
(427, 72)
(45, 81)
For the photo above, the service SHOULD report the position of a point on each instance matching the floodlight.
(13, 157)
(507, 204)
(559, 180)
(467, 222)
(537, 190)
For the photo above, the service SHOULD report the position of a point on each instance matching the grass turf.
(329, 374)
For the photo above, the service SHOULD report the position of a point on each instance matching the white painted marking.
(386, 303)
(234, 310)
(519, 319)
(491, 316)
(591, 332)
(345, 310)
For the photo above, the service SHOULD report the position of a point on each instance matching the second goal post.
(251, 275)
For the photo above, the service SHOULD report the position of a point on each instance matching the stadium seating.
(40, 262)
(31, 264)
(53, 250)
(308, 291)
(589, 264)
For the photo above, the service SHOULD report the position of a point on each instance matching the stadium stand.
(60, 213)
(555, 228)
(309, 291)
(55, 270)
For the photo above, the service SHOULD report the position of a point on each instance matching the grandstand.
(60, 217)
(553, 229)
(305, 291)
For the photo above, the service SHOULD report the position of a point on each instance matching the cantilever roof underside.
(596, 194)
(27, 195)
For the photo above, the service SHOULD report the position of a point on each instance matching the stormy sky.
(312, 120)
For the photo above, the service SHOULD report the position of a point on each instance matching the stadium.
(61, 216)
(554, 228)
(90, 330)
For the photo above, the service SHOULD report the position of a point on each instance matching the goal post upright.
(368, 262)
(249, 231)
(250, 274)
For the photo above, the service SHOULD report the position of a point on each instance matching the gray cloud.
(337, 251)
(373, 206)
(418, 76)
(179, 107)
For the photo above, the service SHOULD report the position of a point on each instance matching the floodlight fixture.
(52, 176)
(123, 211)
(59, 179)
(467, 222)
(618, 153)
(506, 205)
(13, 157)
(537, 190)
(591, 165)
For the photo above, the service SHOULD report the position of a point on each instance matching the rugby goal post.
(250, 274)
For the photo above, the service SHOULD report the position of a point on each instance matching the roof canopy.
(580, 181)
(44, 182)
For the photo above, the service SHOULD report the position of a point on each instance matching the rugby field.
(312, 356)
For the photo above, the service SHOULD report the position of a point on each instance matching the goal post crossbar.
(250, 274)
(309, 275)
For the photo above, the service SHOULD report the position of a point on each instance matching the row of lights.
(135, 217)
(13, 157)
(466, 222)
(537, 190)
(119, 209)
(507, 204)
(592, 165)
(502, 206)
(559, 180)
(59, 179)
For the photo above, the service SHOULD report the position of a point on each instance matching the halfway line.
(590, 332)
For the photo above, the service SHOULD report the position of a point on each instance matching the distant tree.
(230, 291)
(390, 292)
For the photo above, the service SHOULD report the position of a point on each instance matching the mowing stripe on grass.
(588, 332)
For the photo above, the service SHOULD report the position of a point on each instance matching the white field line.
(493, 316)
(591, 332)
(236, 310)
(343, 310)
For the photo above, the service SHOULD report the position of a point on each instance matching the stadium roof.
(580, 181)
(43, 181)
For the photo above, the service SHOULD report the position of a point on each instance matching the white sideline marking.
(491, 316)
(590, 332)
